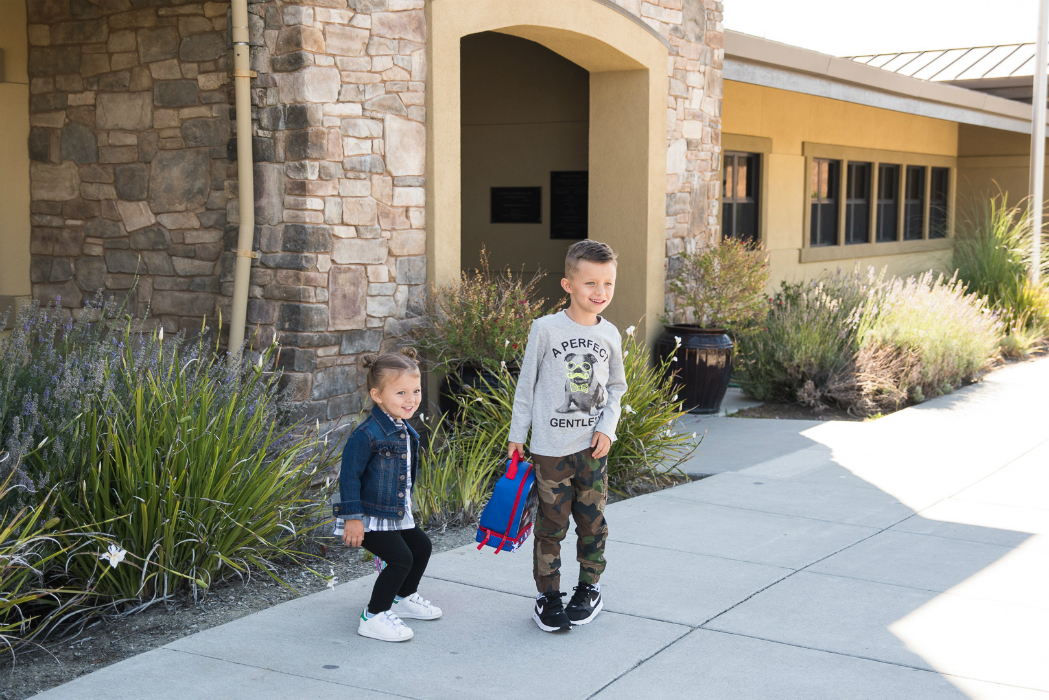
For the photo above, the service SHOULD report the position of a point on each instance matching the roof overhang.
(751, 59)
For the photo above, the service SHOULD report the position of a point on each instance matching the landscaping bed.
(109, 640)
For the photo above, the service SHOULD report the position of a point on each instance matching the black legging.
(406, 553)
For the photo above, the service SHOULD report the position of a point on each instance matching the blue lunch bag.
(507, 520)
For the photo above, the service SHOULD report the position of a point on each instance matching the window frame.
(876, 158)
(838, 200)
(753, 145)
(756, 199)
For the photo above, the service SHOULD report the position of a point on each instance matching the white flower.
(677, 340)
(160, 334)
(332, 580)
(626, 354)
(260, 360)
(502, 364)
(506, 344)
(675, 398)
(693, 436)
(674, 358)
(630, 330)
(628, 410)
(478, 400)
(114, 555)
(422, 417)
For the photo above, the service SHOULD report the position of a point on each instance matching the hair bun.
(410, 352)
(367, 361)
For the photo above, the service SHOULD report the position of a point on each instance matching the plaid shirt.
(373, 524)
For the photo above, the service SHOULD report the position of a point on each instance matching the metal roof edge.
(752, 49)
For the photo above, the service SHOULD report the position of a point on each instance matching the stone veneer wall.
(132, 165)
(695, 31)
(341, 220)
(129, 114)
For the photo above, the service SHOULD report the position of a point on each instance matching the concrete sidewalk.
(902, 558)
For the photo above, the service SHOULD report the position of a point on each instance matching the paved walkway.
(902, 558)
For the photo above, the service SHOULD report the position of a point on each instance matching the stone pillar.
(129, 116)
(695, 31)
(341, 209)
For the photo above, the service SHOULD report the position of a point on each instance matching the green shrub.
(992, 254)
(807, 338)
(484, 318)
(721, 286)
(188, 466)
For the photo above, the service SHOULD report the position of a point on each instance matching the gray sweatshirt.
(571, 384)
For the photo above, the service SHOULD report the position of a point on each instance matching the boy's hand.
(353, 533)
(600, 445)
(515, 447)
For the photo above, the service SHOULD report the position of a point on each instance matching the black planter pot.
(453, 382)
(703, 367)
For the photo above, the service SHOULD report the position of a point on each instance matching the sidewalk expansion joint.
(529, 597)
(641, 662)
(772, 512)
(702, 554)
(869, 658)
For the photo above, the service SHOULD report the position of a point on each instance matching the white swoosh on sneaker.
(539, 609)
(593, 601)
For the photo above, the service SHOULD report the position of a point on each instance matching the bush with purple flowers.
(868, 344)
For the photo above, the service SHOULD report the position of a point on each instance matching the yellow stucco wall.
(14, 153)
(992, 161)
(525, 113)
(792, 119)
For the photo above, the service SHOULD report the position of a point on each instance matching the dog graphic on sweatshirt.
(581, 390)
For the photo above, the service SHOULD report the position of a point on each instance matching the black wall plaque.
(517, 205)
(568, 204)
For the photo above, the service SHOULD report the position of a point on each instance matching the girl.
(379, 464)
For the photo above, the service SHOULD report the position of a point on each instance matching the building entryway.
(525, 115)
(561, 107)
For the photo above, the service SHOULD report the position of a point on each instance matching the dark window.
(914, 203)
(888, 202)
(939, 181)
(568, 204)
(823, 191)
(857, 203)
(739, 215)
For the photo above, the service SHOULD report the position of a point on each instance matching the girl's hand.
(353, 533)
(600, 445)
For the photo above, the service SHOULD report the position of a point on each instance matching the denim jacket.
(374, 469)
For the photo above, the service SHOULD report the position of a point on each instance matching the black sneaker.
(549, 613)
(585, 604)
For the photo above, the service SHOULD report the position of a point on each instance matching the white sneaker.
(385, 627)
(414, 607)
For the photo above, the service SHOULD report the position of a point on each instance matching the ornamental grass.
(181, 464)
(992, 256)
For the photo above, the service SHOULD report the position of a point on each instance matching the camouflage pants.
(576, 485)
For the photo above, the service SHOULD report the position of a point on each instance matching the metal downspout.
(242, 75)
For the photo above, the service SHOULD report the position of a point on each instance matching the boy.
(569, 391)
